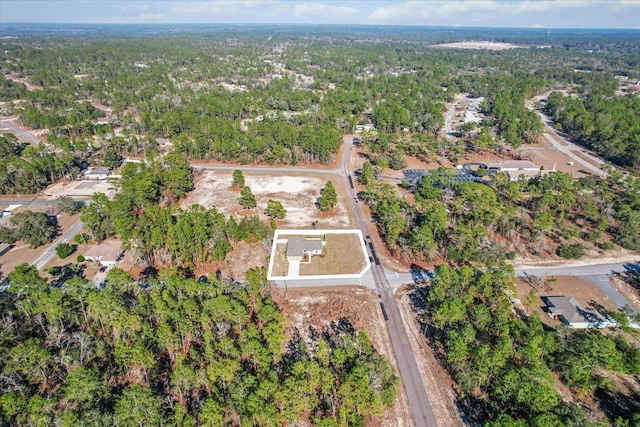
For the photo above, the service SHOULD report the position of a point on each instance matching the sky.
(463, 13)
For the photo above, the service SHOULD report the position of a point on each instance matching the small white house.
(97, 172)
(106, 253)
(301, 249)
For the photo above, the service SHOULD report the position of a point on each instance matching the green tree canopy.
(247, 200)
(328, 197)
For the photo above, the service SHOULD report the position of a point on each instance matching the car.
(103, 269)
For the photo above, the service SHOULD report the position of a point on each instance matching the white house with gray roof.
(571, 313)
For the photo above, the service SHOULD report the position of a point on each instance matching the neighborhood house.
(97, 172)
(106, 253)
(571, 313)
(301, 249)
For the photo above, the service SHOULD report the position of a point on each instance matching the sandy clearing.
(297, 193)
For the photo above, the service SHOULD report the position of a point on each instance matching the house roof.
(108, 250)
(571, 310)
(529, 174)
(97, 170)
(296, 246)
(514, 165)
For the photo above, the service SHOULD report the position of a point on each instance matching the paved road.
(570, 149)
(26, 135)
(46, 256)
(408, 368)
(35, 202)
(337, 171)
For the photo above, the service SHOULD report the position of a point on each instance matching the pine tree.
(275, 210)
(238, 179)
(329, 198)
(247, 200)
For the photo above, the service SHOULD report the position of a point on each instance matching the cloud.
(492, 13)
(135, 7)
(320, 12)
(222, 8)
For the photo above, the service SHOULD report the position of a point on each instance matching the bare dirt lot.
(550, 159)
(297, 192)
(81, 188)
(479, 45)
(318, 307)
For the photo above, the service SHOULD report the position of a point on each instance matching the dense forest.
(505, 366)
(177, 352)
(286, 96)
(471, 221)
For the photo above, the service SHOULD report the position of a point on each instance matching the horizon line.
(542, 28)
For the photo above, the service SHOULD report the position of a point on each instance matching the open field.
(317, 308)
(83, 188)
(297, 192)
(479, 45)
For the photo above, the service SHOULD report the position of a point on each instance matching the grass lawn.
(342, 254)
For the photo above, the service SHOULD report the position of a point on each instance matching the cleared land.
(297, 192)
(82, 188)
(479, 45)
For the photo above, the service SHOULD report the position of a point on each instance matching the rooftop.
(97, 170)
(514, 165)
(297, 246)
(107, 250)
(571, 310)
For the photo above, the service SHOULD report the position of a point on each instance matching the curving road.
(568, 148)
(50, 252)
(19, 131)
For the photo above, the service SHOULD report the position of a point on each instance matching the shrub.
(64, 250)
(606, 246)
(573, 251)
(80, 258)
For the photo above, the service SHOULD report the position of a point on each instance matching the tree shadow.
(149, 273)
(420, 274)
(631, 274)
(618, 405)
(61, 274)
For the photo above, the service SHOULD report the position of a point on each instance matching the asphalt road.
(407, 366)
(46, 256)
(15, 129)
